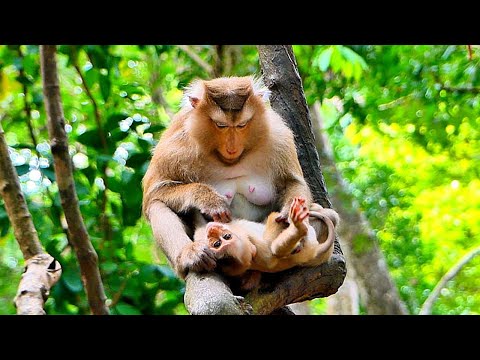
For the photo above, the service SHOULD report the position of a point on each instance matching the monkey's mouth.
(229, 161)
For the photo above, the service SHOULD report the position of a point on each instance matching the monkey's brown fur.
(224, 137)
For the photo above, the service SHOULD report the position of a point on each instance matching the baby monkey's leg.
(285, 242)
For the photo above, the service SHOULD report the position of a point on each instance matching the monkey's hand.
(217, 208)
(197, 257)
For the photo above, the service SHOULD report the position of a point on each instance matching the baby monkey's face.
(219, 237)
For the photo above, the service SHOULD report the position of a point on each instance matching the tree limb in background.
(197, 59)
(377, 289)
(428, 304)
(105, 223)
(42, 271)
(87, 257)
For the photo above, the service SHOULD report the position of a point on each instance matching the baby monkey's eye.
(217, 244)
(227, 236)
(221, 126)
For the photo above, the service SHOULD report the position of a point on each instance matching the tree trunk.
(86, 255)
(377, 289)
(281, 76)
(42, 271)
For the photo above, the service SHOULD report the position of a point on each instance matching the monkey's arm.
(182, 253)
(183, 197)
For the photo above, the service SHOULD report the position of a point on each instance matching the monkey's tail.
(325, 246)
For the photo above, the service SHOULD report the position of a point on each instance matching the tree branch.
(455, 269)
(28, 110)
(87, 257)
(105, 224)
(41, 270)
(15, 204)
(281, 76)
(298, 284)
(197, 59)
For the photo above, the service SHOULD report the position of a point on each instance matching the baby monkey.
(243, 245)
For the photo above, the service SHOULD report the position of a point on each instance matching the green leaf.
(91, 77)
(91, 138)
(109, 267)
(323, 60)
(113, 120)
(115, 136)
(137, 159)
(145, 144)
(72, 281)
(22, 169)
(127, 309)
(49, 173)
(155, 128)
(105, 86)
(150, 273)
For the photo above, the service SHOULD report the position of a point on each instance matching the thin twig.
(454, 270)
(197, 59)
(87, 257)
(105, 224)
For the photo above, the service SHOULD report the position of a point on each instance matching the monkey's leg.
(286, 241)
(284, 244)
(205, 293)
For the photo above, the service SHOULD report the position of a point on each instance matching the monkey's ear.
(193, 94)
(194, 101)
(260, 90)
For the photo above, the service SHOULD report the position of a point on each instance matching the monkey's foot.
(299, 214)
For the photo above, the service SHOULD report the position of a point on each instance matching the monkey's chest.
(249, 197)
(255, 190)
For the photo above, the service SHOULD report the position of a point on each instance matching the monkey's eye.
(227, 236)
(217, 244)
(241, 126)
(221, 126)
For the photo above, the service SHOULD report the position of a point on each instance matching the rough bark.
(281, 76)
(377, 289)
(86, 255)
(208, 294)
(455, 269)
(298, 284)
(41, 270)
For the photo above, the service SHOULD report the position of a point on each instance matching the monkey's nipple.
(228, 195)
(251, 188)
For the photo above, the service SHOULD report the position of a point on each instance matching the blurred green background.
(403, 122)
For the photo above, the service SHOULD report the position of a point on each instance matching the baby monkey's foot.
(299, 214)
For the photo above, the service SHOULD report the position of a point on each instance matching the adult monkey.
(225, 153)
(207, 293)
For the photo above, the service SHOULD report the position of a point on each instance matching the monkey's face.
(220, 238)
(229, 118)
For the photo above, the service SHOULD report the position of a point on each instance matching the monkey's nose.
(231, 152)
